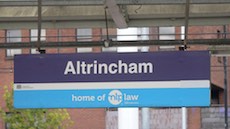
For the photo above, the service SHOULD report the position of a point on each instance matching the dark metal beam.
(39, 21)
(187, 9)
(115, 43)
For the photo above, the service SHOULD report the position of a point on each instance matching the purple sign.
(112, 67)
(95, 80)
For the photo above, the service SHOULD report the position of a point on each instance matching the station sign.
(102, 80)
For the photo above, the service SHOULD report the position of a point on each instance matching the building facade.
(97, 118)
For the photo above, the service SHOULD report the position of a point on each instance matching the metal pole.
(187, 9)
(115, 43)
(184, 118)
(225, 92)
(106, 24)
(39, 25)
(145, 118)
(225, 84)
(145, 110)
(184, 109)
(128, 118)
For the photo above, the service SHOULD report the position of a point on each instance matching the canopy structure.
(58, 14)
(17, 14)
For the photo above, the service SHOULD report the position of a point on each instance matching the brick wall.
(69, 35)
(83, 118)
(166, 118)
(159, 119)
(87, 118)
(213, 118)
(193, 118)
(209, 118)
(6, 75)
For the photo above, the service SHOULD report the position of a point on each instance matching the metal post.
(128, 118)
(184, 109)
(145, 110)
(225, 92)
(39, 25)
(106, 24)
(225, 84)
(184, 118)
(145, 118)
(187, 9)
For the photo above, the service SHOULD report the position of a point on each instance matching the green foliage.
(33, 118)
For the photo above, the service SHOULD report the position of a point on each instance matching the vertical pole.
(144, 32)
(106, 24)
(225, 84)
(187, 9)
(39, 25)
(184, 109)
(184, 118)
(128, 118)
(145, 118)
(225, 92)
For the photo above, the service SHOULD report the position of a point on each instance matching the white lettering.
(113, 68)
(148, 67)
(89, 66)
(78, 67)
(83, 98)
(83, 67)
(102, 68)
(118, 67)
(95, 67)
(69, 68)
(132, 68)
(122, 67)
(131, 97)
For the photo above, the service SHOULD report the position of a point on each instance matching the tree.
(32, 118)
